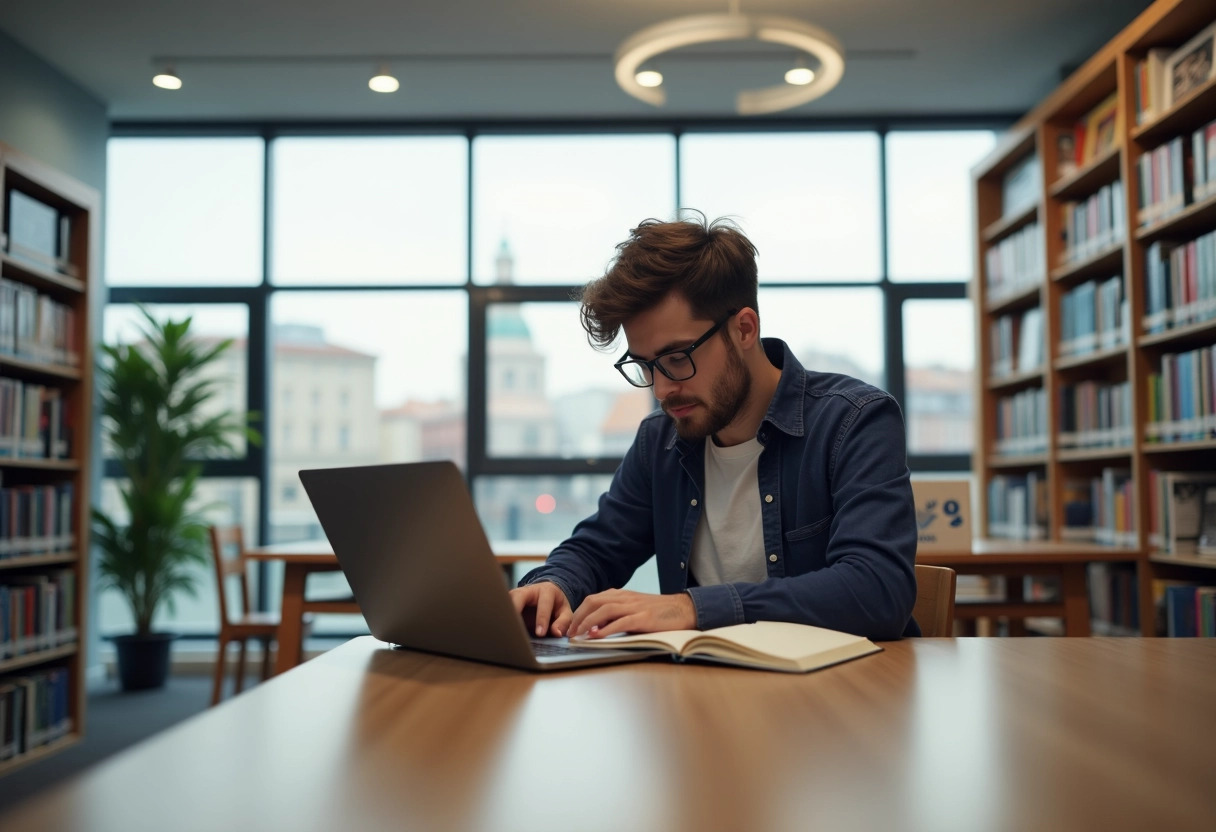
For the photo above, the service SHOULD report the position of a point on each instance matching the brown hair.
(711, 264)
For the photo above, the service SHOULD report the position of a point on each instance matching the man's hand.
(621, 611)
(544, 607)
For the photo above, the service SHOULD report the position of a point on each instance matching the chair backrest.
(224, 538)
(934, 610)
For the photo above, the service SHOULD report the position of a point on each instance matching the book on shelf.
(1179, 283)
(1203, 162)
(1017, 507)
(1021, 185)
(764, 645)
(1179, 509)
(1182, 397)
(1150, 85)
(1206, 545)
(34, 711)
(1190, 66)
(1185, 610)
(1030, 340)
(1094, 223)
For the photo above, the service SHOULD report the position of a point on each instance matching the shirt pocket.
(806, 546)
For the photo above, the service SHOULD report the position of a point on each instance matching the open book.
(769, 645)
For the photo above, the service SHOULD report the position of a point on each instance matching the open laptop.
(417, 558)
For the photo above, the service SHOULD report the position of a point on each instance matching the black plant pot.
(143, 660)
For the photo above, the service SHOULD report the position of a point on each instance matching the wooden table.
(303, 558)
(1067, 561)
(931, 734)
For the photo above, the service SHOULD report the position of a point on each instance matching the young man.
(766, 492)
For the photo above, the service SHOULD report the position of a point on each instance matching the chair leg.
(217, 686)
(240, 667)
(266, 658)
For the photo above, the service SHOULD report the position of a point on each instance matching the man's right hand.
(544, 608)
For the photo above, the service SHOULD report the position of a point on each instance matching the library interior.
(243, 241)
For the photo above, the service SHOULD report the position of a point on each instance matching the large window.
(408, 297)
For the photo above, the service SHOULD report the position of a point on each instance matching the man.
(766, 492)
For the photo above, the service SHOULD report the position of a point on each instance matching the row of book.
(1180, 283)
(1114, 594)
(1017, 343)
(1203, 161)
(36, 519)
(1188, 609)
(1017, 506)
(34, 710)
(1095, 414)
(1021, 186)
(1165, 187)
(1093, 316)
(37, 612)
(1090, 137)
(37, 327)
(34, 421)
(1182, 397)
(1100, 509)
(1015, 263)
(1182, 512)
(1021, 423)
(1093, 224)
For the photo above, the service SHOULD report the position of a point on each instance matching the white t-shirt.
(729, 542)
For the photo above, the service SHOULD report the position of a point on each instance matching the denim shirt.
(838, 515)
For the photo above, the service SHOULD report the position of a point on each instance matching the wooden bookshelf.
(1122, 373)
(48, 365)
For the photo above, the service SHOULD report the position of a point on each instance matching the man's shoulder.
(820, 386)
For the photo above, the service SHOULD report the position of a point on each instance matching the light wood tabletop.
(930, 734)
(302, 558)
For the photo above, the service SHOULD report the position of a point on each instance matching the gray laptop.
(415, 554)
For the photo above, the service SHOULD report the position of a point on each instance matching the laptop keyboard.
(550, 648)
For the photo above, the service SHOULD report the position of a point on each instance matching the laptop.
(417, 558)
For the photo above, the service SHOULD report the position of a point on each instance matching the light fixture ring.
(692, 30)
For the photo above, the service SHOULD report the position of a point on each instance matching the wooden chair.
(934, 610)
(258, 625)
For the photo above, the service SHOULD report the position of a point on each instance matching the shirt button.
(772, 558)
(768, 498)
(681, 564)
(694, 501)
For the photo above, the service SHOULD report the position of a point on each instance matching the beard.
(729, 394)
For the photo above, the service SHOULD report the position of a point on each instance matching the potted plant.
(158, 425)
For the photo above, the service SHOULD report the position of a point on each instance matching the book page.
(780, 639)
(672, 640)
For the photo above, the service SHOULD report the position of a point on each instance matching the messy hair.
(711, 264)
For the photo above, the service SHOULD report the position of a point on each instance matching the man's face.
(709, 401)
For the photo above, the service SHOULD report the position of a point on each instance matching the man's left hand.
(622, 611)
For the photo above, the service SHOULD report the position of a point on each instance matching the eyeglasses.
(676, 364)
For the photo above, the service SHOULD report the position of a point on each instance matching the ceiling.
(309, 60)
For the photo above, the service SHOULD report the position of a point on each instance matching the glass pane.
(939, 356)
(558, 205)
(829, 330)
(929, 195)
(210, 323)
(369, 210)
(808, 201)
(223, 502)
(184, 211)
(543, 511)
(549, 392)
(361, 378)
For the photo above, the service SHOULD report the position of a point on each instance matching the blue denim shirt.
(839, 519)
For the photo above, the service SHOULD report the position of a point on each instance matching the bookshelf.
(1116, 298)
(49, 232)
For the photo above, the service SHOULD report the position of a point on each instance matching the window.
(929, 202)
(939, 357)
(808, 201)
(369, 210)
(184, 212)
(829, 330)
(550, 209)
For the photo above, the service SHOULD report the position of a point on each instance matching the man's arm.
(869, 585)
(606, 548)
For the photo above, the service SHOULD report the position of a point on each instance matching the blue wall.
(46, 115)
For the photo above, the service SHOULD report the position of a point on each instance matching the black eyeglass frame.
(654, 364)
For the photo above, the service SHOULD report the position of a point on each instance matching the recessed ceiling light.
(382, 81)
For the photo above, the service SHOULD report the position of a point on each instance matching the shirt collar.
(785, 409)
